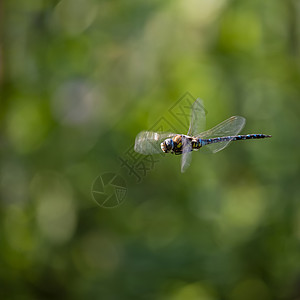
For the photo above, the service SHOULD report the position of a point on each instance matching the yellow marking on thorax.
(178, 140)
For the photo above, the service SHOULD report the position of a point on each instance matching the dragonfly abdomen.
(233, 138)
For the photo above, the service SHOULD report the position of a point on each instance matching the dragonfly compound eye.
(167, 145)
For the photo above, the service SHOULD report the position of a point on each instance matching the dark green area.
(79, 79)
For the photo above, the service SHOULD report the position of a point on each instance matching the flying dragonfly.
(214, 139)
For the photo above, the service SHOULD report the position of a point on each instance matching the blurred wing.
(198, 119)
(229, 127)
(186, 157)
(148, 142)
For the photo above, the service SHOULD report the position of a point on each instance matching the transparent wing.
(229, 127)
(148, 142)
(186, 157)
(198, 118)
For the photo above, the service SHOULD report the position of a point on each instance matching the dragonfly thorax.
(177, 144)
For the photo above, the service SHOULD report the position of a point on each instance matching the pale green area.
(79, 79)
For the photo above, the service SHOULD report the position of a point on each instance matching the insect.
(215, 139)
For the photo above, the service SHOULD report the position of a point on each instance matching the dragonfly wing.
(197, 118)
(148, 142)
(186, 157)
(229, 127)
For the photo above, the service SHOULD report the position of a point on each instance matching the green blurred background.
(79, 79)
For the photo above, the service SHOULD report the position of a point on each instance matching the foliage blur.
(79, 79)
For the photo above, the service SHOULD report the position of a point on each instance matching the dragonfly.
(214, 139)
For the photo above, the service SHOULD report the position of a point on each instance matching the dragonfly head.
(167, 145)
